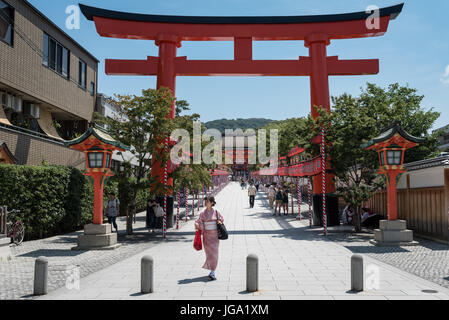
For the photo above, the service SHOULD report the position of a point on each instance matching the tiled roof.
(8, 152)
(101, 134)
(429, 163)
(390, 132)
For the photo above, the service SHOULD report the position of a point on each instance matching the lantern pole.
(392, 202)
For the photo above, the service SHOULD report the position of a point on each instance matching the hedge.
(53, 200)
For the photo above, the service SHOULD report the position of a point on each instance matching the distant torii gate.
(168, 32)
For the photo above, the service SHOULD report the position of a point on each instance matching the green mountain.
(223, 124)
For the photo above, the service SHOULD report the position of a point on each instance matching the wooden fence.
(424, 209)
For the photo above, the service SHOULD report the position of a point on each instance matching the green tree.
(142, 124)
(290, 133)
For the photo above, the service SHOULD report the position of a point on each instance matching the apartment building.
(444, 138)
(48, 86)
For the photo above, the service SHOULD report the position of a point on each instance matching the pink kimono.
(207, 223)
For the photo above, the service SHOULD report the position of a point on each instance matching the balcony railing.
(31, 133)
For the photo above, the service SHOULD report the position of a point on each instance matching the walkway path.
(295, 263)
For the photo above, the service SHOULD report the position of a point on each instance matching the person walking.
(279, 198)
(113, 210)
(207, 223)
(252, 192)
(151, 216)
(285, 200)
(271, 195)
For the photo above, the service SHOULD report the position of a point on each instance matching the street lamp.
(391, 146)
(98, 147)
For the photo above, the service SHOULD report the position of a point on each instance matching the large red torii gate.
(317, 31)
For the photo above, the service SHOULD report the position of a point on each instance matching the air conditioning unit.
(8, 101)
(31, 110)
(17, 104)
(37, 111)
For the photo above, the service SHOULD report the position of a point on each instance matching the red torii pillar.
(319, 92)
(166, 77)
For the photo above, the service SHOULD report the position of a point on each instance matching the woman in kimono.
(207, 223)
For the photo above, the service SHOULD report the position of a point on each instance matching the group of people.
(112, 211)
(369, 219)
(244, 183)
(278, 198)
(151, 218)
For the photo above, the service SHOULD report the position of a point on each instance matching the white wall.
(423, 178)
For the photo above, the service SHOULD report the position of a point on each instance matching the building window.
(82, 74)
(92, 89)
(6, 23)
(56, 56)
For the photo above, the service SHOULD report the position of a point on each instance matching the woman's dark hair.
(112, 194)
(211, 200)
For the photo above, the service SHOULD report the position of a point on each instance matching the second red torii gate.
(168, 32)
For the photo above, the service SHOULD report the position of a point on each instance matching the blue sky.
(414, 51)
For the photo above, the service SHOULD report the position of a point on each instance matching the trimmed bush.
(54, 200)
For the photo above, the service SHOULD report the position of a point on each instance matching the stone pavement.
(295, 263)
(429, 260)
(16, 275)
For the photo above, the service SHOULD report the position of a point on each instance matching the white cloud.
(445, 78)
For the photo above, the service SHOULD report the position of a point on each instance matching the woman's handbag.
(197, 243)
(221, 230)
(159, 212)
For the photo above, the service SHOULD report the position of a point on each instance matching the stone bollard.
(40, 276)
(146, 275)
(357, 273)
(252, 273)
